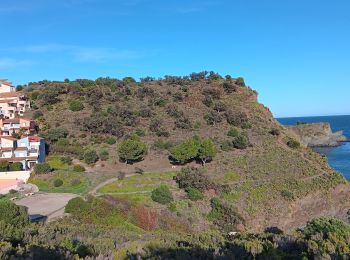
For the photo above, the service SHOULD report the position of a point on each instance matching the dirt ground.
(50, 205)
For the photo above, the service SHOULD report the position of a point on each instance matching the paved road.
(50, 205)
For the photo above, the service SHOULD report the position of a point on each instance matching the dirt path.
(50, 205)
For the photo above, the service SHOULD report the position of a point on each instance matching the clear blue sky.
(295, 53)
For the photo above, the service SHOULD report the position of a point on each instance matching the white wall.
(20, 175)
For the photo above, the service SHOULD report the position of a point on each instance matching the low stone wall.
(18, 175)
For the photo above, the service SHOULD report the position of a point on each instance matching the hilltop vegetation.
(201, 154)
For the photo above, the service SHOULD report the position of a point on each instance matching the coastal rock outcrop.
(318, 135)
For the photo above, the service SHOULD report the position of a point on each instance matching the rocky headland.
(318, 135)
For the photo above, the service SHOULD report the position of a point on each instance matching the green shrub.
(217, 209)
(163, 145)
(110, 140)
(42, 168)
(78, 168)
(132, 149)
(34, 95)
(275, 131)
(37, 114)
(75, 182)
(76, 205)
(287, 194)
(104, 155)
(16, 166)
(66, 160)
(57, 183)
(90, 157)
(240, 142)
(4, 166)
(294, 144)
(75, 105)
(162, 195)
(12, 214)
(193, 178)
(233, 132)
(194, 194)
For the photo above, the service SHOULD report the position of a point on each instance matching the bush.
(194, 194)
(53, 135)
(75, 105)
(42, 168)
(132, 149)
(294, 144)
(67, 160)
(75, 182)
(163, 145)
(162, 195)
(16, 166)
(233, 132)
(37, 114)
(12, 214)
(78, 168)
(239, 119)
(275, 131)
(104, 155)
(110, 140)
(287, 195)
(240, 142)
(4, 166)
(57, 183)
(193, 178)
(90, 157)
(76, 205)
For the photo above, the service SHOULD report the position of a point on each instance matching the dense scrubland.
(194, 158)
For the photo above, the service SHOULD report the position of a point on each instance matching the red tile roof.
(11, 94)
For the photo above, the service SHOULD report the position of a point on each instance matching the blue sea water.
(339, 157)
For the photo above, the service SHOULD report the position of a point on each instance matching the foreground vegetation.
(105, 230)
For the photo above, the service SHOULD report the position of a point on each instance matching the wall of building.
(20, 175)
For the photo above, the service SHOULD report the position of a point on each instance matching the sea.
(338, 157)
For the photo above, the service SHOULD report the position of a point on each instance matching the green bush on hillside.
(78, 168)
(75, 105)
(104, 155)
(42, 168)
(240, 142)
(90, 157)
(194, 148)
(294, 144)
(194, 194)
(57, 183)
(132, 149)
(162, 195)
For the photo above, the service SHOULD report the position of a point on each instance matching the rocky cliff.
(318, 135)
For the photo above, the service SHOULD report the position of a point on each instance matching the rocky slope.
(318, 135)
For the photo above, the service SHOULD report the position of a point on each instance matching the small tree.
(206, 150)
(132, 149)
(162, 195)
(185, 151)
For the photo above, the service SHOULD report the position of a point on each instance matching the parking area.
(50, 205)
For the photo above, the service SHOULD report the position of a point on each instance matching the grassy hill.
(260, 177)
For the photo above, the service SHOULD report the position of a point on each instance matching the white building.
(6, 86)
